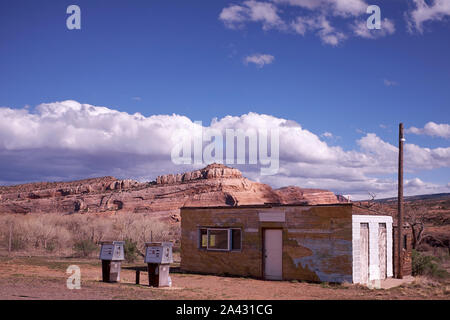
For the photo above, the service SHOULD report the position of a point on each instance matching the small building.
(321, 243)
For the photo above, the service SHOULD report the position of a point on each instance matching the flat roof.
(270, 205)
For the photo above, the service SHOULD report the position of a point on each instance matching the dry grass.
(55, 234)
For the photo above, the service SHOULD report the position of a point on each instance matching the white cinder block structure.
(372, 248)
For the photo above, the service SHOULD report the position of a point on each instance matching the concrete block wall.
(374, 267)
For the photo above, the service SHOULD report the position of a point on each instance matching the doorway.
(364, 252)
(273, 254)
(382, 246)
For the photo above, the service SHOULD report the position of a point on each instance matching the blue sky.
(185, 57)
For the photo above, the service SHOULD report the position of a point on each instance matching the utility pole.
(400, 204)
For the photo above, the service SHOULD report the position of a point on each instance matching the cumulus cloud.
(68, 140)
(260, 60)
(435, 10)
(335, 7)
(265, 13)
(314, 16)
(432, 129)
(322, 26)
(360, 29)
(390, 83)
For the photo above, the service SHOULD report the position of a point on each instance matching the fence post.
(10, 239)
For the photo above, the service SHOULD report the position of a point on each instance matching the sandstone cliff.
(212, 186)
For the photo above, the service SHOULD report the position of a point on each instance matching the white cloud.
(435, 10)
(327, 134)
(390, 83)
(260, 60)
(136, 98)
(322, 26)
(360, 29)
(266, 13)
(335, 7)
(73, 126)
(432, 129)
(317, 17)
(69, 140)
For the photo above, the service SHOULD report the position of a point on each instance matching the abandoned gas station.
(320, 243)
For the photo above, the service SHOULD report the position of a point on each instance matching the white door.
(273, 254)
(364, 251)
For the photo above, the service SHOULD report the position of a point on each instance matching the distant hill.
(211, 186)
(436, 218)
(435, 196)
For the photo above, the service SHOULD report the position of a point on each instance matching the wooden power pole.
(400, 205)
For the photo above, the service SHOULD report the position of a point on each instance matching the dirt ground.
(45, 278)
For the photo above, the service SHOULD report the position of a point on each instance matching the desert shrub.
(441, 253)
(420, 263)
(51, 246)
(131, 250)
(426, 265)
(18, 235)
(424, 247)
(84, 248)
(141, 229)
(17, 242)
(81, 232)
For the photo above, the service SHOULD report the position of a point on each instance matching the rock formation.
(214, 185)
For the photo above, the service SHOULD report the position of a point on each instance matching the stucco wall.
(317, 242)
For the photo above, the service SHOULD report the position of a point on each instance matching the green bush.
(84, 248)
(131, 250)
(426, 265)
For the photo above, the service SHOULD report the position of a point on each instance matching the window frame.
(229, 239)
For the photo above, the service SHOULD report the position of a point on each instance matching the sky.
(109, 98)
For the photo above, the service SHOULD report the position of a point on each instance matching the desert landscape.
(224, 150)
(45, 227)
(44, 278)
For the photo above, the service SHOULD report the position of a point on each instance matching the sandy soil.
(45, 278)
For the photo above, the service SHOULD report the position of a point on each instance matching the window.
(236, 239)
(405, 242)
(203, 243)
(220, 239)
